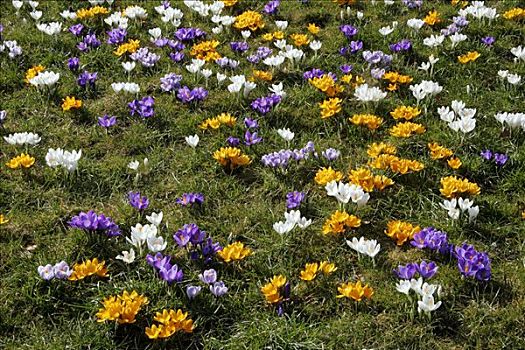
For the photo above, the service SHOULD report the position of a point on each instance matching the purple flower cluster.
(472, 263)
(264, 104)
(73, 64)
(261, 53)
(233, 141)
(458, 23)
(145, 57)
(93, 222)
(86, 78)
(209, 277)
(188, 199)
(143, 107)
(170, 82)
(331, 154)
(116, 36)
(425, 270)
(271, 7)
(189, 34)
(499, 158)
(167, 271)
(137, 201)
(403, 45)
(226, 62)
(348, 30)
(176, 56)
(89, 42)
(178, 47)
(190, 235)
(346, 68)
(251, 138)
(106, 121)
(60, 271)
(187, 95)
(412, 4)
(251, 123)
(294, 199)
(76, 29)
(317, 73)
(239, 46)
(282, 158)
(488, 40)
(378, 58)
(352, 48)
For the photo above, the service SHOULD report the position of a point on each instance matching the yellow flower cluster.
(405, 112)
(514, 13)
(231, 157)
(401, 231)
(368, 181)
(229, 3)
(372, 122)
(278, 35)
(70, 102)
(355, 291)
(330, 107)
(33, 72)
(396, 79)
(262, 75)
(214, 123)
(407, 129)
(451, 187)
(439, 152)
(325, 175)
(91, 12)
(432, 18)
(396, 164)
(251, 20)
(327, 85)
(121, 308)
(272, 290)
(354, 80)
(313, 28)
(300, 39)
(470, 56)
(311, 270)
(376, 149)
(206, 50)
(234, 251)
(88, 268)
(130, 47)
(339, 222)
(21, 161)
(170, 322)
(3, 220)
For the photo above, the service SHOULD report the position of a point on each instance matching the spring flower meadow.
(282, 174)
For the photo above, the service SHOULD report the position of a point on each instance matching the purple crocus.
(189, 34)
(264, 104)
(189, 233)
(406, 272)
(173, 274)
(176, 56)
(403, 45)
(137, 201)
(331, 154)
(294, 199)
(233, 141)
(239, 46)
(488, 40)
(187, 95)
(73, 63)
(46, 272)
(251, 139)
(143, 107)
(500, 159)
(87, 78)
(486, 154)
(90, 41)
(188, 199)
(346, 68)
(251, 123)
(106, 121)
(271, 7)
(348, 30)
(62, 270)
(116, 36)
(193, 291)
(145, 57)
(427, 270)
(433, 239)
(472, 263)
(412, 4)
(218, 289)
(76, 29)
(208, 276)
(93, 222)
(170, 82)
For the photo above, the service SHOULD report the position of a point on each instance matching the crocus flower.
(487, 154)
(192, 291)
(208, 276)
(93, 222)
(294, 199)
(488, 40)
(427, 270)
(106, 121)
(73, 63)
(62, 271)
(46, 272)
(251, 123)
(251, 138)
(218, 289)
(406, 272)
(500, 159)
(76, 29)
(188, 199)
(137, 201)
(233, 141)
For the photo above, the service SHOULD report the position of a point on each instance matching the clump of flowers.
(326, 175)
(451, 187)
(234, 252)
(206, 50)
(144, 107)
(300, 39)
(70, 102)
(376, 149)
(311, 270)
(294, 199)
(249, 20)
(276, 292)
(137, 201)
(432, 18)
(515, 13)
(94, 223)
(91, 12)
(121, 308)
(355, 291)
(396, 79)
(188, 199)
(368, 181)
(405, 112)
(439, 152)
(401, 231)
(282, 158)
(330, 107)
(396, 164)
(214, 123)
(407, 129)
(88, 268)
(130, 47)
(195, 240)
(22, 161)
(60, 271)
(187, 95)
(166, 270)
(170, 322)
(468, 57)
(425, 269)
(231, 157)
(339, 222)
(372, 122)
(264, 104)
(33, 72)
(326, 83)
(500, 159)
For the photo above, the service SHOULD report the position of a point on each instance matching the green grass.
(35, 314)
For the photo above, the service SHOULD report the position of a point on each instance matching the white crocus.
(23, 138)
(364, 93)
(286, 134)
(403, 286)
(46, 78)
(283, 227)
(281, 25)
(156, 244)
(128, 66)
(427, 304)
(155, 218)
(192, 141)
(127, 257)
(315, 45)
(133, 165)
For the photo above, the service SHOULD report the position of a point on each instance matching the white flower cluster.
(424, 89)
(52, 28)
(292, 218)
(132, 88)
(148, 234)
(512, 78)
(12, 47)
(22, 138)
(346, 192)
(364, 93)
(478, 10)
(424, 291)
(465, 205)
(368, 247)
(59, 157)
(170, 15)
(46, 78)
(466, 121)
(513, 120)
